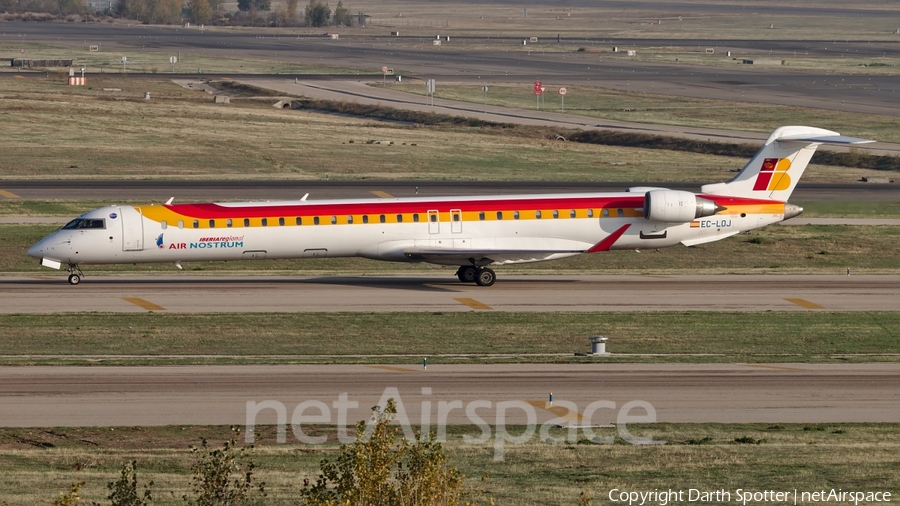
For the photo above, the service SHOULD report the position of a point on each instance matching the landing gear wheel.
(486, 277)
(467, 274)
(75, 274)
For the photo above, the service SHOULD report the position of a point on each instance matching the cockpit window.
(83, 223)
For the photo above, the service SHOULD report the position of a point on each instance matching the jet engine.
(674, 206)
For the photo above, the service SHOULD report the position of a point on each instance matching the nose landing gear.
(75, 274)
(482, 276)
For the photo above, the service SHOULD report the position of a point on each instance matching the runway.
(464, 61)
(297, 294)
(724, 393)
(206, 190)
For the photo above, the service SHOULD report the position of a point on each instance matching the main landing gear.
(75, 274)
(482, 276)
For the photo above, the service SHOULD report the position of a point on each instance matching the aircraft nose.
(36, 251)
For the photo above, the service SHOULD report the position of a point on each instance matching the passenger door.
(132, 228)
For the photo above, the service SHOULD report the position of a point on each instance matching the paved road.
(463, 61)
(207, 294)
(217, 190)
(725, 393)
(360, 92)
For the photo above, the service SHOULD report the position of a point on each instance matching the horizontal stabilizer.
(825, 139)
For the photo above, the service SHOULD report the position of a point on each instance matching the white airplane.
(472, 233)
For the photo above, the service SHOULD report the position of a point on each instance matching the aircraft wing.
(495, 256)
(444, 256)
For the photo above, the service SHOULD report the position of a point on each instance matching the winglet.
(607, 243)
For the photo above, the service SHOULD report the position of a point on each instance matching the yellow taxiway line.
(146, 304)
(472, 303)
(393, 368)
(805, 303)
(8, 195)
(384, 195)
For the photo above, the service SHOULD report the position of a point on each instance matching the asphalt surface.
(229, 294)
(724, 393)
(217, 190)
(455, 62)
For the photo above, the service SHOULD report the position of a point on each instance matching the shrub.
(384, 469)
(224, 477)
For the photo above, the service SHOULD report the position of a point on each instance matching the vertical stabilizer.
(776, 168)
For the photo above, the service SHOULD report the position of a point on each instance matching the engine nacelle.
(674, 206)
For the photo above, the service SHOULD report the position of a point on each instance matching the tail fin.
(776, 168)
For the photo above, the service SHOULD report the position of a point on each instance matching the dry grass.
(181, 133)
(805, 457)
(597, 102)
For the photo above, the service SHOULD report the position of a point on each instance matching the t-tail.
(776, 168)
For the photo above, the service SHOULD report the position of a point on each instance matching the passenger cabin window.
(246, 222)
(212, 223)
(315, 220)
(590, 213)
(83, 223)
(537, 214)
(228, 223)
(265, 222)
(416, 218)
(481, 216)
(515, 215)
(365, 218)
(180, 223)
(381, 218)
(299, 221)
(280, 222)
(334, 220)
(572, 213)
(555, 214)
(606, 213)
(163, 224)
(620, 213)
(350, 219)
(399, 218)
(455, 216)
(433, 218)
(499, 215)
(196, 224)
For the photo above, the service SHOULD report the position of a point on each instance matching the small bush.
(224, 477)
(702, 441)
(756, 240)
(747, 440)
(70, 498)
(386, 470)
(124, 491)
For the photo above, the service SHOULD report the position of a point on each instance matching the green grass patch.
(314, 337)
(850, 208)
(40, 462)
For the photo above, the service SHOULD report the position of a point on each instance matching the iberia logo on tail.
(773, 175)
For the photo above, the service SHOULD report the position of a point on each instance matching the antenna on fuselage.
(170, 200)
(304, 198)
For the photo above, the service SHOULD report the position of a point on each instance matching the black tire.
(486, 277)
(74, 279)
(467, 274)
